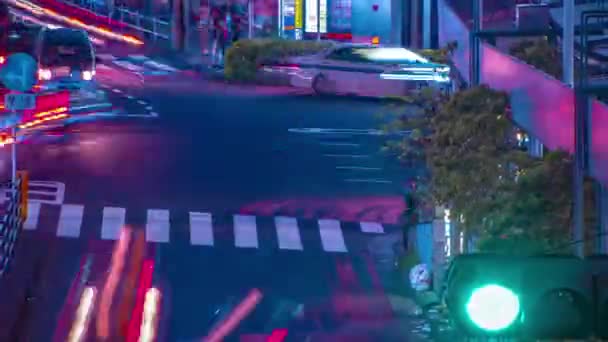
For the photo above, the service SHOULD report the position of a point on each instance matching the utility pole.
(568, 43)
(426, 23)
(318, 20)
(475, 45)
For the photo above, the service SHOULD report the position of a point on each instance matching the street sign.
(19, 101)
(19, 72)
(10, 120)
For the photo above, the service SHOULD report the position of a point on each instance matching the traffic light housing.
(544, 297)
(23, 190)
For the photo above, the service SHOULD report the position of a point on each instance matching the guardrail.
(128, 19)
(12, 221)
(155, 27)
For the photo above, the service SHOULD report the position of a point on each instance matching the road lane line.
(112, 222)
(157, 225)
(361, 168)
(129, 66)
(332, 238)
(347, 155)
(245, 231)
(160, 66)
(201, 229)
(288, 233)
(70, 220)
(341, 144)
(141, 102)
(33, 212)
(372, 227)
(375, 181)
(139, 57)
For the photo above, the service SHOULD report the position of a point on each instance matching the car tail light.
(88, 75)
(2, 59)
(44, 74)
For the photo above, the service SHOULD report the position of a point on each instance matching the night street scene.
(303, 170)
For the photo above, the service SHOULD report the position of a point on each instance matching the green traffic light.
(493, 307)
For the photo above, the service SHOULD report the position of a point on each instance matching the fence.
(127, 20)
(11, 224)
(541, 105)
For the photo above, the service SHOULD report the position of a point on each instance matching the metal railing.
(129, 19)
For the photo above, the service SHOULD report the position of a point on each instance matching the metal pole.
(318, 20)
(426, 24)
(568, 43)
(475, 57)
(251, 18)
(578, 210)
(14, 155)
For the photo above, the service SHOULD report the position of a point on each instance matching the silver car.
(364, 70)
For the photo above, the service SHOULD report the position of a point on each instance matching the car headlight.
(44, 74)
(88, 75)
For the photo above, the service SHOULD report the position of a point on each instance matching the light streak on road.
(116, 266)
(83, 315)
(37, 10)
(150, 316)
(236, 316)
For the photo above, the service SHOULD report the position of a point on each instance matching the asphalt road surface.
(206, 191)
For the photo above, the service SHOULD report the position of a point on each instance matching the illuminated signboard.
(298, 14)
(311, 15)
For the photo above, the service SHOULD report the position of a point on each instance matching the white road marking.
(372, 227)
(70, 220)
(129, 66)
(139, 57)
(57, 190)
(161, 66)
(345, 131)
(130, 97)
(245, 231)
(360, 168)
(116, 90)
(157, 225)
(341, 144)
(149, 108)
(112, 222)
(106, 57)
(377, 181)
(154, 114)
(33, 212)
(201, 229)
(347, 155)
(141, 102)
(331, 236)
(288, 233)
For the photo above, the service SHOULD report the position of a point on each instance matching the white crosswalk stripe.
(157, 226)
(288, 233)
(331, 236)
(203, 229)
(112, 222)
(245, 231)
(33, 211)
(70, 220)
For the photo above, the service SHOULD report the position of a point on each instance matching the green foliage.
(540, 54)
(245, 56)
(441, 56)
(515, 204)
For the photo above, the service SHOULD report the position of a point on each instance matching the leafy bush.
(244, 57)
(540, 54)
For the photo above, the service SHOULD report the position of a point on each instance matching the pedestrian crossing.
(199, 229)
(139, 64)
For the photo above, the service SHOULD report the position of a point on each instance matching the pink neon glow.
(235, 317)
(386, 209)
(116, 266)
